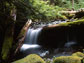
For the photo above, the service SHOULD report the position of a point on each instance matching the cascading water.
(70, 42)
(32, 36)
(31, 42)
(50, 40)
(31, 39)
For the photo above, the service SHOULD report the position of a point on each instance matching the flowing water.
(32, 36)
(31, 44)
(31, 39)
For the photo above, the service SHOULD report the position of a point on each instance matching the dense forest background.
(15, 13)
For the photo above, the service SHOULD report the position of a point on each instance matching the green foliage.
(32, 58)
(68, 3)
(60, 3)
(44, 11)
(37, 10)
(79, 4)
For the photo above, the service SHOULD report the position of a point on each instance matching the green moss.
(78, 22)
(63, 17)
(74, 58)
(6, 47)
(67, 59)
(32, 58)
(7, 43)
(79, 54)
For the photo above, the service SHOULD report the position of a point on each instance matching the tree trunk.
(52, 2)
(8, 35)
(8, 40)
(72, 4)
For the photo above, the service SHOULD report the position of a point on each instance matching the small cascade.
(31, 43)
(31, 39)
(32, 35)
(70, 42)
(52, 41)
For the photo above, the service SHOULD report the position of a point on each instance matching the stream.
(32, 43)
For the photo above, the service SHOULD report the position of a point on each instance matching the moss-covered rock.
(74, 58)
(79, 54)
(67, 59)
(32, 58)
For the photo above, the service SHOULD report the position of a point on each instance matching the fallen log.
(73, 11)
(68, 24)
(22, 35)
(68, 12)
(75, 14)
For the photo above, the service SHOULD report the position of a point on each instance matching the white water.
(31, 39)
(28, 46)
(31, 43)
(69, 44)
(32, 35)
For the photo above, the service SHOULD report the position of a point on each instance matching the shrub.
(44, 11)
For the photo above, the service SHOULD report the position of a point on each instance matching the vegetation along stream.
(41, 31)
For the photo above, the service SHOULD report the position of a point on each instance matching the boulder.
(79, 54)
(32, 58)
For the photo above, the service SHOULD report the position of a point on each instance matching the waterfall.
(69, 44)
(31, 39)
(49, 41)
(32, 36)
(71, 40)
